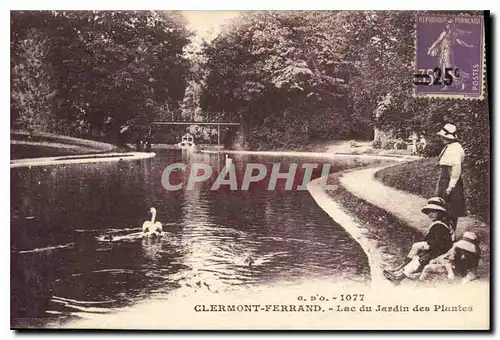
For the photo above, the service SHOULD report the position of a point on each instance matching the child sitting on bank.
(437, 241)
(460, 261)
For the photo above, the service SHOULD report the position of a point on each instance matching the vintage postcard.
(254, 170)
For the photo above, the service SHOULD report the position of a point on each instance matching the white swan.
(229, 161)
(152, 228)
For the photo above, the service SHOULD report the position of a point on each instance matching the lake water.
(61, 266)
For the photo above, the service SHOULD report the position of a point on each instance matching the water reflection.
(62, 265)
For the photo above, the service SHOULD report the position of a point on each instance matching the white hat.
(435, 204)
(468, 242)
(449, 131)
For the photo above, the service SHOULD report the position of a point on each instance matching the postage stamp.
(450, 56)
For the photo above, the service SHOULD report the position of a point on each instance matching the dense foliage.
(272, 71)
(292, 77)
(92, 72)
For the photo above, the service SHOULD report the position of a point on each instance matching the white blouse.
(453, 155)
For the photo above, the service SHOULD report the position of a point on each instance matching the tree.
(280, 74)
(31, 92)
(108, 68)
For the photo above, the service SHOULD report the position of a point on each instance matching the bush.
(388, 144)
(376, 144)
(477, 188)
(432, 148)
(400, 145)
(420, 149)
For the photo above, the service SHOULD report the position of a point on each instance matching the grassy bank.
(53, 138)
(391, 236)
(420, 177)
(25, 145)
(19, 151)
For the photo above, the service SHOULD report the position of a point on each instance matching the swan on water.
(152, 228)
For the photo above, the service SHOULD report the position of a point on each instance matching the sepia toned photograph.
(250, 170)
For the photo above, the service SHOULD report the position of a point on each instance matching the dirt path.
(345, 147)
(405, 206)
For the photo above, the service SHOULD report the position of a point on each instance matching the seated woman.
(437, 241)
(460, 261)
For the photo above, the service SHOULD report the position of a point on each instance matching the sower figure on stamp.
(450, 185)
(442, 48)
(437, 241)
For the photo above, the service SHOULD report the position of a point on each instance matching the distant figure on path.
(421, 145)
(414, 143)
(229, 161)
(450, 185)
(147, 144)
(138, 144)
(423, 142)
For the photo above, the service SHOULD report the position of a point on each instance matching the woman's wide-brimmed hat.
(435, 204)
(449, 131)
(468, 242)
